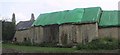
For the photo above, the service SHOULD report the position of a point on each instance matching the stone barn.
(109, 24)
(80, 26)
(89, 24)
(67, 27)
(24, 31)
(67, 31)
(46, 28)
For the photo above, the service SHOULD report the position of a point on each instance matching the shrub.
(102, 43)
(27, 43)
(81, 46)
(46, 44)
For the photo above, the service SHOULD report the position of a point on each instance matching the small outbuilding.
(109, 24)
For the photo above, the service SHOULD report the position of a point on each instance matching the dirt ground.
(6, 50)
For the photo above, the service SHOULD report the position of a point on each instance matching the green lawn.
(31, 49)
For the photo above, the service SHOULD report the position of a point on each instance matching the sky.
(24, 8)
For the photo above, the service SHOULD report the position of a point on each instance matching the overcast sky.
(24, 8)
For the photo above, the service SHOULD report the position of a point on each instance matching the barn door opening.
(64, 39)
(51, 34)
(15, 39)
(85, 35)
(54, 33)
(25, 39)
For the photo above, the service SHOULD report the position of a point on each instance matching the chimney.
(32, 17)
(13, 18)
(14, 21)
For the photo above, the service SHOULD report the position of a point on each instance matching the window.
(25, 39)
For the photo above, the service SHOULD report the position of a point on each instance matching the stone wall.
(77, 33)
(111, 32)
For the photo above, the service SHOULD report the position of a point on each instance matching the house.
(23, 30)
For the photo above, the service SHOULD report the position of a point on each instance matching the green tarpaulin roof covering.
(91, 15)
(109, 18)
(73, 16)
(50, 18)
(81, 15)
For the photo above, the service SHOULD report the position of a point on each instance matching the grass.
(35, 49)
(32, 49)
